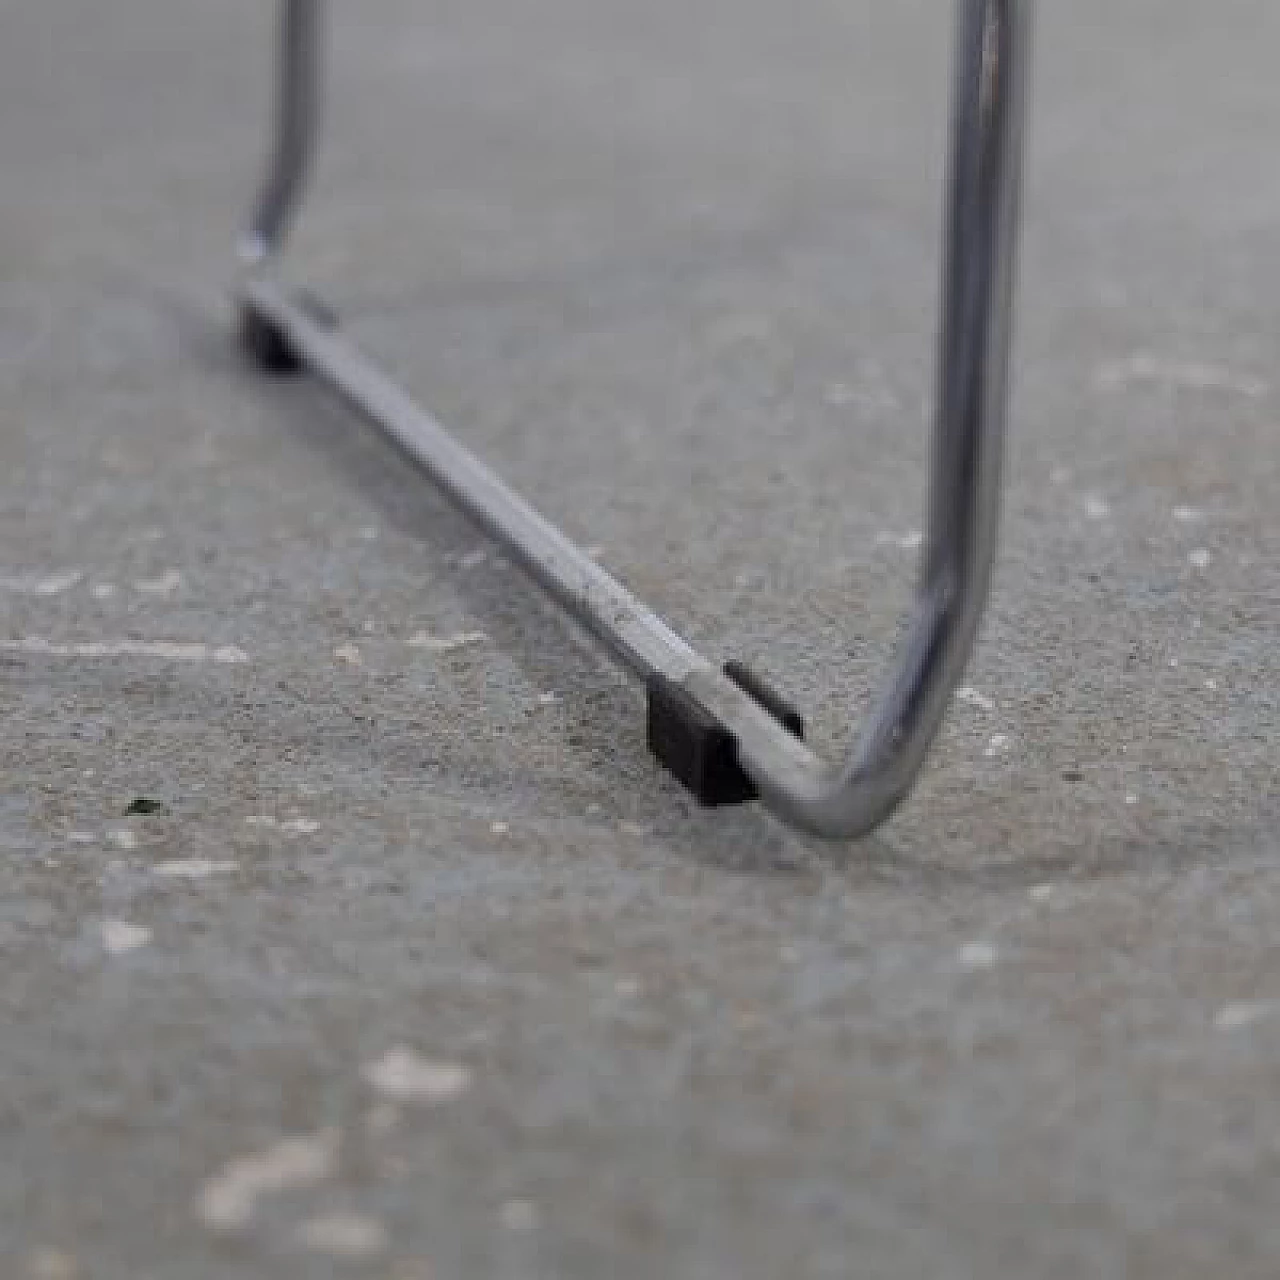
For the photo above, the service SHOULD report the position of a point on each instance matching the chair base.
(724, 733)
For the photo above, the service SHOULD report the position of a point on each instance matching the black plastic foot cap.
(698, 749)
(266, 344)
(269, 346)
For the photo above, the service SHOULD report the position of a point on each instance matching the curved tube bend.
(981, 233)
(982, 223)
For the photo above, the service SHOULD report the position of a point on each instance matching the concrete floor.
(425, 969)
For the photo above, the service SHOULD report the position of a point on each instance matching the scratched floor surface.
(346, 925)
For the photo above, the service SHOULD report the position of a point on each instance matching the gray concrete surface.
(670, 267)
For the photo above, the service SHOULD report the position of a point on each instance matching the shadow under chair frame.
(721, 729)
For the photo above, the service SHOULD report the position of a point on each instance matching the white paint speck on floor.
(1247, 1013)
(163, 585)
(404, 1076)
(1185, 375)
(975, 698)
(910, 540)
(163, 650)
(445, 644)
(290, 826)
(119, 937)
(49, 584)
(229, 1200)
(977, 956)
(194, 868)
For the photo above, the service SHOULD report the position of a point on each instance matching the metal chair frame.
(721, 730)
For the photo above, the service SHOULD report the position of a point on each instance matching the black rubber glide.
(268, 346)
(698, 749)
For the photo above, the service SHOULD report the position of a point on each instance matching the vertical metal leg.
(721, 730)
(297, 119)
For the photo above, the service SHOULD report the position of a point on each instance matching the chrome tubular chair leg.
(297, 111)
(721, 730)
